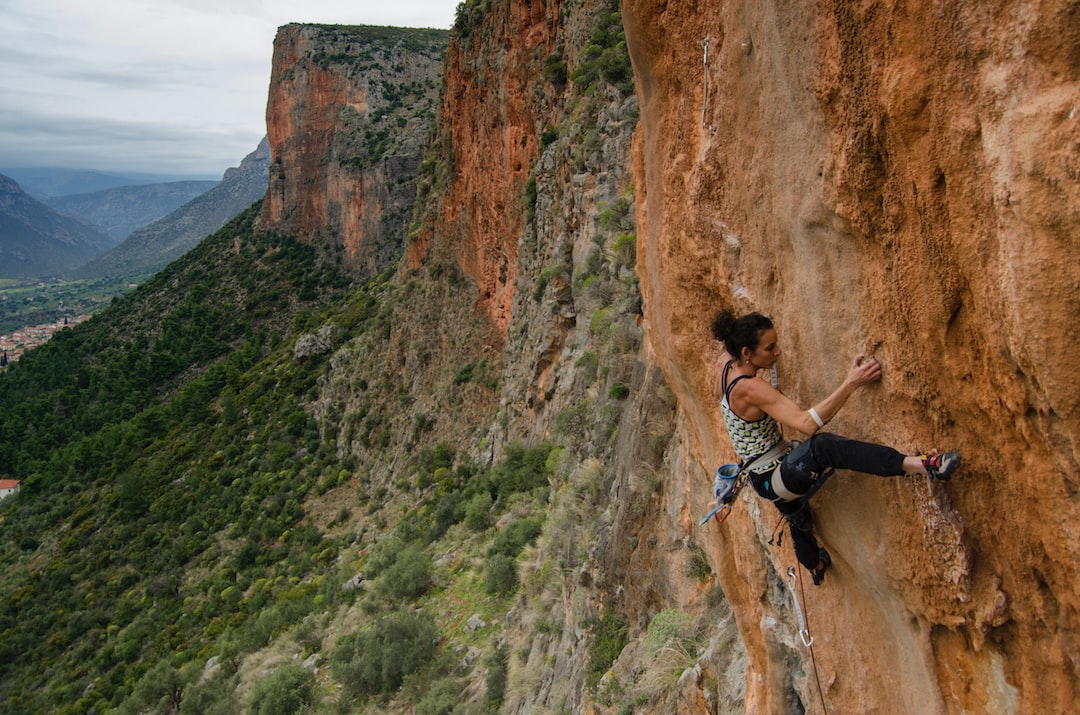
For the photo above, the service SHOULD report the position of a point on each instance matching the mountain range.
(152, 246)
(50, 183)
(119, 211)
(124, 230)
(36, 241)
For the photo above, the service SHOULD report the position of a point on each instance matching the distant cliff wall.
(348, 116)
(902, 180)
(495, 106)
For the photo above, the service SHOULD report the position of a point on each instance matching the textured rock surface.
(492, 109)
(901, 179)
(348, 113)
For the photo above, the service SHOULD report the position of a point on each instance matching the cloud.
(169, 86)
(31, 140)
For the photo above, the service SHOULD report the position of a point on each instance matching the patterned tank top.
(751, 438)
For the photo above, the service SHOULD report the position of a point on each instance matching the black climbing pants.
(800, 471)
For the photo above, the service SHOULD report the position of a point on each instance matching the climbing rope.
(804, 630)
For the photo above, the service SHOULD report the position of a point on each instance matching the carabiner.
(804, 632)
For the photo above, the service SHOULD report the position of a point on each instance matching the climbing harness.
(705, 78)
(731, 478)
(804, 632)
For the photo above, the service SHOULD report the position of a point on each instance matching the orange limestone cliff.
(490, 138)
(349, 110)
(901, 179)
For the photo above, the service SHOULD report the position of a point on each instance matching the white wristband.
(816, 417)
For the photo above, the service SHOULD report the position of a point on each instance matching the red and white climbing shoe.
(941, 466)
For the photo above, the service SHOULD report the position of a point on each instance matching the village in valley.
(16, 343)
(32, 311)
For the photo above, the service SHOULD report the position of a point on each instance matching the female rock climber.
(754, 411)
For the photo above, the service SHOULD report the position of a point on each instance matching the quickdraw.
(705, 79)
(721, 512)
(804, 631)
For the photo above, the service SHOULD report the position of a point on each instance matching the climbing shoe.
(824, 562)
(941, 466)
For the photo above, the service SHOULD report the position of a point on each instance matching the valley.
(29, 303)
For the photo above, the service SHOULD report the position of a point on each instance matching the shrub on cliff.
(470, 14)
(522, 469)
(478, 512)
(377, 660)
(606, 57)
(610, 636)
(409, 576)
(511, 540)
(288, 690)
(500, 574)
(555, 70)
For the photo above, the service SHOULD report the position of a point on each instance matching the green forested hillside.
(124, 432)
(182, 509)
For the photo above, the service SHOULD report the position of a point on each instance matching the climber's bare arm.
(759, 396)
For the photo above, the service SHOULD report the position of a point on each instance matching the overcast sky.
(161, 86)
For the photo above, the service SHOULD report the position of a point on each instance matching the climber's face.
(767, 350)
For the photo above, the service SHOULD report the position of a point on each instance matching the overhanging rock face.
(903, 181)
